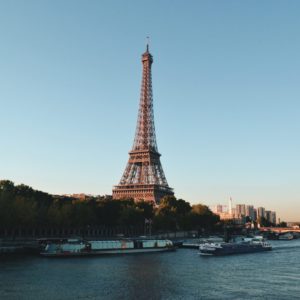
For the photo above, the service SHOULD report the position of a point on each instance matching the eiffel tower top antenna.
(148, 43)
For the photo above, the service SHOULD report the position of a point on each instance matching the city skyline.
(240, 211)
(226, 97)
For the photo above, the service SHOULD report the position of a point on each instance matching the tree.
(172, 214)
(282, 224)
(146, 207)
(202, 217)
(131, 216)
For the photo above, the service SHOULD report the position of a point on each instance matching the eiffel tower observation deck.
(144, 177)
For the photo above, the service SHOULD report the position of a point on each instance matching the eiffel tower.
(144, 177)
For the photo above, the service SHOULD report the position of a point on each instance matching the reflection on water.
(145, 276)
(174, 275)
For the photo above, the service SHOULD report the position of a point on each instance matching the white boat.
(73, 247)
(195, 243)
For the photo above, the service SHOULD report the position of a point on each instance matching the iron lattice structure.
(144, 177)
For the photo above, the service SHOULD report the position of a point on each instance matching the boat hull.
(105, 252)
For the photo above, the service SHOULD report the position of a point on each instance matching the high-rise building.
(260, 212)
(255, 214)
(144, 177)
(240, 210)
(250, 212)
(273, 217)
(268, 215)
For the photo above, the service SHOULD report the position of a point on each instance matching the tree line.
(23, 207)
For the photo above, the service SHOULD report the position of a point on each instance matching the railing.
(86, 232)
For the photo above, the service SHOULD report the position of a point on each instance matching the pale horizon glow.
(225, 88)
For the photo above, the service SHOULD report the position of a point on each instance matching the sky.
(225, 88)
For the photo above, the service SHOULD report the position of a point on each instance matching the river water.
(174, 275)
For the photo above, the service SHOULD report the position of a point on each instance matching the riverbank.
(30, 245)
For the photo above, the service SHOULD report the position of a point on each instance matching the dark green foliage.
(203, 218)
(23, 207)
(173, 214)
(282, 224)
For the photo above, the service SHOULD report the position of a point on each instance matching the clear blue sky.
(226, 96)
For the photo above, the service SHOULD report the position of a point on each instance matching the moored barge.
(74, 247)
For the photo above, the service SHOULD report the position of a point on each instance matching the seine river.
(174, 275)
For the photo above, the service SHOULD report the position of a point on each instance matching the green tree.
(202, 218)
(172, 214)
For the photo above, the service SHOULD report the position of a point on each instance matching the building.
(268, 215)
(144, 177)
(273, 217)
(81, 196)
(255, 214)
(250, 212)
(219, 208)
(260, 212)
(222, 211)
(240, 210)
(225, 216)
